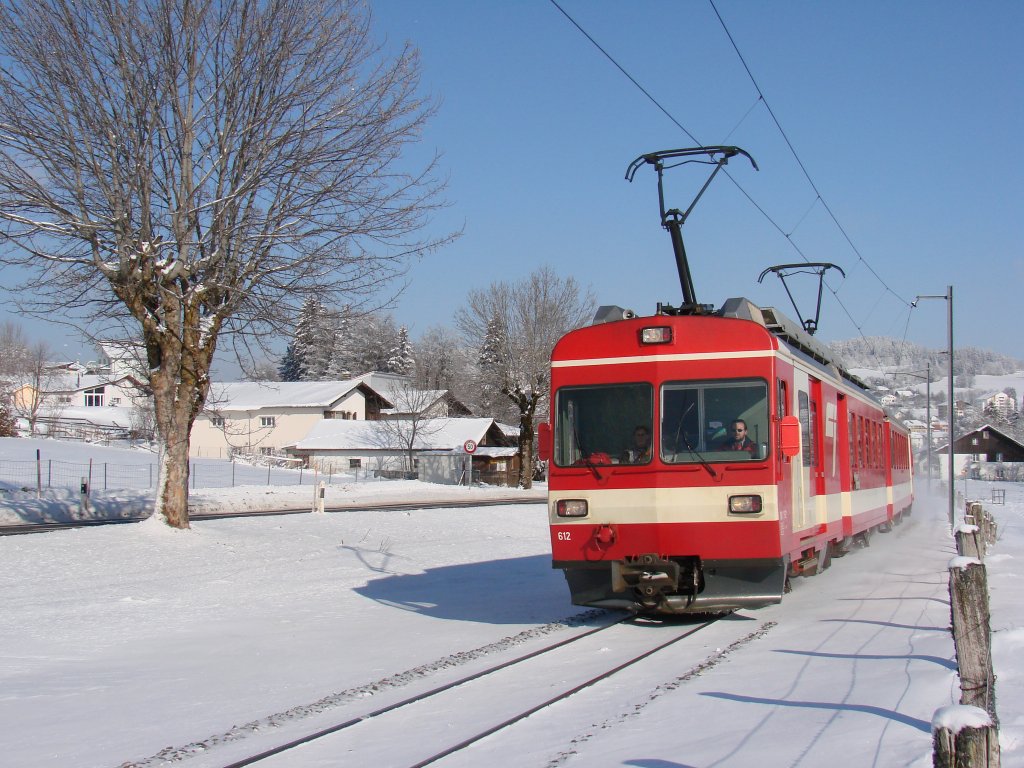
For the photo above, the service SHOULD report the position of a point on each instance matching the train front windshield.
(604, 424)
(696, 421)
(714, 421)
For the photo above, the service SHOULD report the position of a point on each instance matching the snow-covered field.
(128, 644)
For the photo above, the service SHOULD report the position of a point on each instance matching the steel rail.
(421, 697)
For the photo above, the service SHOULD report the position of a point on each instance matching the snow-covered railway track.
(433, 724)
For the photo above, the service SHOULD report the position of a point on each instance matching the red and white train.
(692, 525)
(697, 458)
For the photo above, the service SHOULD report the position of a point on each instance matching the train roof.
(788, 332)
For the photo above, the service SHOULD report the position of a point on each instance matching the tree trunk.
(179, 362)
(172, 485)
(527, 404)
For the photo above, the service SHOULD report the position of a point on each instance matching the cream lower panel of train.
(829, 509)
(869, 499)
(900, 492)
(849, 503)
(665, 505)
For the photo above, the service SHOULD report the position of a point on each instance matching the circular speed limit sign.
(469, 446)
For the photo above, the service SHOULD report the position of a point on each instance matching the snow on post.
(964, 735)
(969, 541)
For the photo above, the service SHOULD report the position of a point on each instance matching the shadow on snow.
(513, 591)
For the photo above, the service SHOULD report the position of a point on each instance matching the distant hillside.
(884, 353)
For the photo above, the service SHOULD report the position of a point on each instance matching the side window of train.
(853, 441)
(806, 430)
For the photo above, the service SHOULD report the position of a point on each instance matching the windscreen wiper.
(690, 448)
(583, 457)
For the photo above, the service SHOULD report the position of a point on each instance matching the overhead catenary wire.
(818, 197)
(796, 156)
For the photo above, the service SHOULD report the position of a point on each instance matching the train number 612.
(565, 535)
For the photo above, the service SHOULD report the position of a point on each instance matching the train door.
(804, 515)
(843, 461)
(818, 440)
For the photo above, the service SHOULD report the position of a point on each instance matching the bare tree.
(28, 378)
(409, 427)
(189, 171)
(516, 326)
(440, 360)
(38, 395)
(13, 352)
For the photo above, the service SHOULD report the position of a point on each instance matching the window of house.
(974, 441)
(355, 463)
(268, 421)
(94, 397)
(217, 421)
(115, 401)
(984, 435)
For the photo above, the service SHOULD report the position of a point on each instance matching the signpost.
(469, 447)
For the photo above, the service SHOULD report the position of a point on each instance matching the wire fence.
(203, 473)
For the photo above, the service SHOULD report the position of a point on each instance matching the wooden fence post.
(972, 635)
(964, 737)
(989, 530)
(969, 541)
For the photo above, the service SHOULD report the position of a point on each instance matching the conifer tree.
(290, 368)
(8, 426)
(401, 359)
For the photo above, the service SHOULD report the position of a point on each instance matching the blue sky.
(908, 117)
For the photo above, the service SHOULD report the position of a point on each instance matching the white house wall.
(244, 432)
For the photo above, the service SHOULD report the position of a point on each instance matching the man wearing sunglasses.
(736, 438)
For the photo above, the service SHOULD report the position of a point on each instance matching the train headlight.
(744, 505)
(571, 507)
(660, 334)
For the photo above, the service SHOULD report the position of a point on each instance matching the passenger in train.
(639, 451)
(736, 438)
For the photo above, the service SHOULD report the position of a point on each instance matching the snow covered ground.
(131, 644)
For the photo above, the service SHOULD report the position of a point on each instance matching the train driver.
(639, 451)
(736, 438)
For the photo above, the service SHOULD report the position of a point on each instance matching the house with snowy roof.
(987, 453)
(67, 403)
(262, 417)
(408, 399)
(442, 450)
